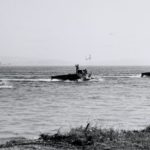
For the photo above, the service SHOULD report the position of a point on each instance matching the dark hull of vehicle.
(145, 74)
(72, 77)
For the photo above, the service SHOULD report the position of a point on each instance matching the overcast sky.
(114, 32)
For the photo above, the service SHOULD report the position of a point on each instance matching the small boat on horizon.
(80, 74)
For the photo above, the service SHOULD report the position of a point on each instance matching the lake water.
(31, 103)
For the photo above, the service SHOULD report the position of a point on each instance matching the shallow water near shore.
(31, 103)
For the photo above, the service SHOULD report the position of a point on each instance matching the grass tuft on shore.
(93, 138)
(88, 138)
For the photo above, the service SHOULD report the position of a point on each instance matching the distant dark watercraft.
(80, 74)
(147, 74)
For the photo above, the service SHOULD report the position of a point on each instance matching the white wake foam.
(5, 85)
(94, 79)
(28, 80)
(97, 79)
(135, 76)
(123, 76)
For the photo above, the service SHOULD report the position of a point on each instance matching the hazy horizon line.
(6, 65)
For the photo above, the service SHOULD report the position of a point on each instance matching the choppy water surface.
(30, 103)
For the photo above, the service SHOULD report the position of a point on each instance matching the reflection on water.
(30, 103)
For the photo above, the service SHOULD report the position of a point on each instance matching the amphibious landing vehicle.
(80, 74)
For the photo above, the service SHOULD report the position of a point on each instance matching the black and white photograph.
(74, 75)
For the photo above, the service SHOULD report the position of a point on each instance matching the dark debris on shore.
(88, 138)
